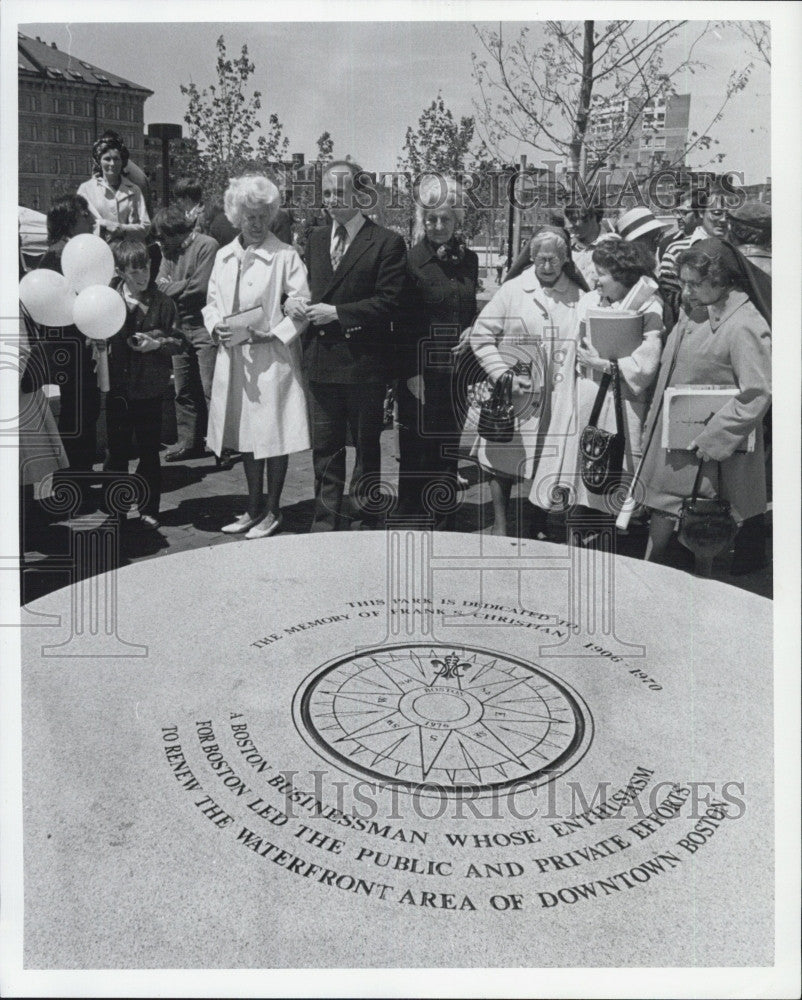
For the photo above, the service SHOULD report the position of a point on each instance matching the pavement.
(198, 499)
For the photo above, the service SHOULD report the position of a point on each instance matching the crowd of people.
(272, 353)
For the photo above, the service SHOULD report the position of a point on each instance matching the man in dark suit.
(356, 278)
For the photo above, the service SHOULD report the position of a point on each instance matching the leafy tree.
(444, 145)
(543, 88)
(325, 146)
(223, 124)
(439, 143)
(756, 32)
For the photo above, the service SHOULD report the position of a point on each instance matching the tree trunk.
(585, 92)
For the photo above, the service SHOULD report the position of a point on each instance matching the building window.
(55, 165)
(660, 142)
(34, 102)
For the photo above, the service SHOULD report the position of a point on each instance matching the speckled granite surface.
(370, 750)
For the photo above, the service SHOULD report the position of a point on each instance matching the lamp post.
(165, 131)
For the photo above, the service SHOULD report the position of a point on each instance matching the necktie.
(337, 251)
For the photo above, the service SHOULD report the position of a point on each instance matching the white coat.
(537, 326)
(258, 394)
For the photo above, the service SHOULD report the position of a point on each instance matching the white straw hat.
(636, 222)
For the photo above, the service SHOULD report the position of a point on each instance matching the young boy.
(140, 364)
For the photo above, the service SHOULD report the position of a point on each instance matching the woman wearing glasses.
(528, 329)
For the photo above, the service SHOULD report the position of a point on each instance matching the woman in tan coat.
(726, 341)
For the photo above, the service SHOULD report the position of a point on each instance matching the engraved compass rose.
(463, 719)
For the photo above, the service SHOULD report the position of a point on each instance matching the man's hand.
(110, 227)
(321, 313)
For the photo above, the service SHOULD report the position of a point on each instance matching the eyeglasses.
(542, 260)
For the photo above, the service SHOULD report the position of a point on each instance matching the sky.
(365, 82)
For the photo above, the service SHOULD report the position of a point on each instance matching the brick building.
(64, 105)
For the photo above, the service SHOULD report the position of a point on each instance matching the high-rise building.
(637, 141)
(65, 103)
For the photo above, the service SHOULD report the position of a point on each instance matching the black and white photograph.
(401, 499)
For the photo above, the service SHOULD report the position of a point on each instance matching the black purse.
(496, 414)
(706, 525)
(602, 452)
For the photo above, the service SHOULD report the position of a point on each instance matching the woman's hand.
(701, 453)
(258, 336)
(221, 334)
(586, 354)
(296, 309)
(417, 387)
(463, 344)
(143, 343)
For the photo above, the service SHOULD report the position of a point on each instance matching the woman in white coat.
(529, 326)
(258, 404)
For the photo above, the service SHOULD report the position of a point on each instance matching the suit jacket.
(367, 290)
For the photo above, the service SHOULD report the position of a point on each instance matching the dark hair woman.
(724, 341)
(117, 204)
(623, 282)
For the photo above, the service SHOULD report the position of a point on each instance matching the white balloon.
(87, 260)
(48, 297)
(99, 312)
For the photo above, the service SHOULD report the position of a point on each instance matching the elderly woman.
(726, 340)
(443, 276)
(117, 204)
(258, 402)
(529, 327)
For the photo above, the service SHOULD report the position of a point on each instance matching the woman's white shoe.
(242, 523)
(267, 526)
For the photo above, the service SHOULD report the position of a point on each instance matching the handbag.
(496, 415)
(602, 452)
(706, 525)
